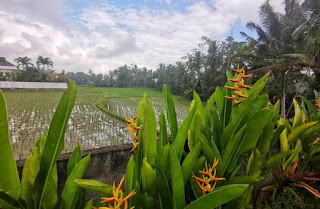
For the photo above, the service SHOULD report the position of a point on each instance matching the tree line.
(287, 44)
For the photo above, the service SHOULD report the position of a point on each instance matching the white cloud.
(105, 37)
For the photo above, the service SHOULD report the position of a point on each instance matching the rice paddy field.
(30, 113)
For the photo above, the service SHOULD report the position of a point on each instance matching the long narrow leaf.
(9, 178)
(54, 143)
(182, 133)
(218, 197)
(94, 185)
(171, 112)
(163, 189)
(189, 162)
(71, 191)
(74, 159)
(149, 134)
(176, 181)
(163, 136)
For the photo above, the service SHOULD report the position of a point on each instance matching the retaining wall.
(107, 164)
(31, 85)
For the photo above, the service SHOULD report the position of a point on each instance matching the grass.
(121, 92)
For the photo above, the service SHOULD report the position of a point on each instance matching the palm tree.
(274, 42)
(307, 52)
(24, 61)
(44, 62)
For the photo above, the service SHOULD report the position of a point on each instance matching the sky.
(103, 35)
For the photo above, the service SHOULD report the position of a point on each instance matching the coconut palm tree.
(24, 62)
(307, 52)
(274, 42)
(44, 62)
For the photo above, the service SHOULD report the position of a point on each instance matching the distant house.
(7, 67)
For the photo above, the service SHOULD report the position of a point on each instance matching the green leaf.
(129, 175)
(148, 178)
(129, 178)
(7, 202)
(230, 151)
(171, 112)
(54, 143)
(163, 189)
(275, 159)
(149, 134)
(297, 114)
(198, 103)
(207, 150)
(295, 133)
(235, 171)
(147, 201)
(89, 205)
(163, 136)
(71, 191)
(192, 128)
(74, 159)
(255, 127)
(219, 98)
(9, 178)
(50, 198)
(163, 160)
(182, 133)
(29, 173)
(216, 126)
(176, 181)
(265, 139)
(94, 185)
(218, 197)
(189, 162)
(246, 180)
(310, 106)
(293, 157)
(142, 106)
(276, 134)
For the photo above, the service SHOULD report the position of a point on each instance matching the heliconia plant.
(39, 181)
(298, 143)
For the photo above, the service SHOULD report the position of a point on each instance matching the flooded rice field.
(128, 106)
(30, 113)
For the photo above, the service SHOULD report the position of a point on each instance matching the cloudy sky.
(102, 35)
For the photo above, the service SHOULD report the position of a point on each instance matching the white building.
(7, 67)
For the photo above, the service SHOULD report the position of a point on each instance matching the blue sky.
(79, 35)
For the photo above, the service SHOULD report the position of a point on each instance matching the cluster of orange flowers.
(117, 198)
(318, 103)
(132, 127)
(238, 87)
(208, 175)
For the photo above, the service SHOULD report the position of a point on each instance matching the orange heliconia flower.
(117, 198)
(318, 103)
(132, 127)
(316, 141)
(208, 176)
(238, 87)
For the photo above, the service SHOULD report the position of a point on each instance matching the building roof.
(4, 62)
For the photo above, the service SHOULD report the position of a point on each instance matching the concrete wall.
(107, 164)
(31, 85)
